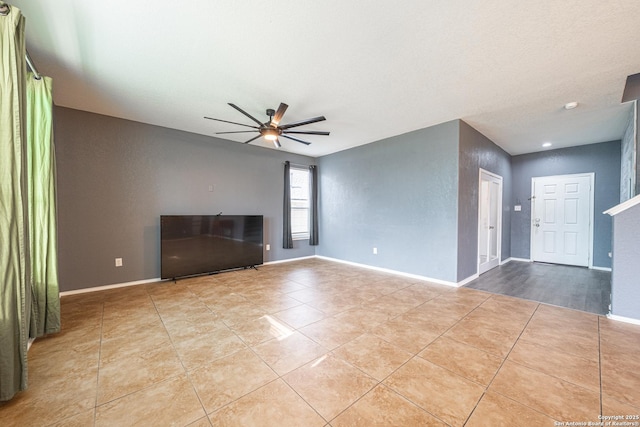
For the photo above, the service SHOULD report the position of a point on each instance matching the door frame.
(499, 220)
(592, 181)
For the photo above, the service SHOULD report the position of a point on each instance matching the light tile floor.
(317, 343)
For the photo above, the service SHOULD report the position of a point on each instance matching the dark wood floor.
(565, 286)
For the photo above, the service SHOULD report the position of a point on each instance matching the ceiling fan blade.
(303, 122)
(246, 114)
(295, 139)
(278, 116)
(276, 142)
(233, 123)
(237, 131)
(307, 132)
(255, 137)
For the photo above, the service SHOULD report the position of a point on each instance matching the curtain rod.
(36, 74)
(299, 166)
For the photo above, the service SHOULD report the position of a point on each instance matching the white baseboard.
(516, 259)
(280, 261)
(623, 319)
(467, 280)
(370, 267)
(106, 287)
(528, 260)
(396, 272)
(142, 282)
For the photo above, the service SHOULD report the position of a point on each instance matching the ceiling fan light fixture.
(270, 134)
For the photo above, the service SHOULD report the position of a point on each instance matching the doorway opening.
(489, 221)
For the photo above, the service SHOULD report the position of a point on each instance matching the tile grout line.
(331, 353)
(381, 382)
(573, 355)
(230, 354)
(175, 350)
(188, 372)
(378, 382)
(512, 347)
(140, 389)
(487, 386)
(500, 367)
(281, 377)
(95, 405)
(278, 376)
(536, 370)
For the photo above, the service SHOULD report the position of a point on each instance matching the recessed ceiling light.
(570, 105)
(546, 144)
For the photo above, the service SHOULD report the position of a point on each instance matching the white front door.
(561, 212)
(489, 221)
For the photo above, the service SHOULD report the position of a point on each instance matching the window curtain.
(45, 307)
(313, 205)
(15, 298)
(287, 238)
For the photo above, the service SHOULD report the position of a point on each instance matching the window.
(299, 203)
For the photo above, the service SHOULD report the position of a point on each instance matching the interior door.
(489, 221)
(561, 219)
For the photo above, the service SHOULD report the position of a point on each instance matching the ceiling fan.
(272, 129)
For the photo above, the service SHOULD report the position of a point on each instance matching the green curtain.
(15, 296)
(41, 172)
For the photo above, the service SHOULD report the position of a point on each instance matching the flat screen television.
(199, 244)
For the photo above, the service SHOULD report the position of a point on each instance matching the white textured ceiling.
(374, 68)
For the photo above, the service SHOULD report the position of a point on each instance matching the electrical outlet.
(118, 262)
(210, 188)
(268, 247)
(375, 251)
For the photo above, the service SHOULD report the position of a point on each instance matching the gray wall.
(116, 177)
(400, 195)
(625, 286)
(602, 158)
(477, 151)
